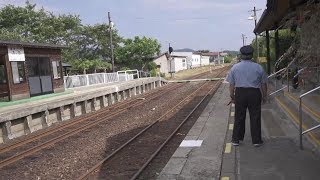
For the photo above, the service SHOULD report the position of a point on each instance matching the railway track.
(48, 138)
(130, 159)
(20, 149)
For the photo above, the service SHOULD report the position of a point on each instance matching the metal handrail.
(271, 75)
(277, 91)
(300, 116)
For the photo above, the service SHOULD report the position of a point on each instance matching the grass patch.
(11, 103)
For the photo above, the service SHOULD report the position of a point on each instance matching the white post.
(104, 78)
(118, 76)
(138, 74)
(125, 75)
(87, 77)
(65, 82)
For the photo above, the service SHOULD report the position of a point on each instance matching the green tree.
(204, 51)
(28, 24)
(93, 42)
(86, 43)
(228, 58)
(286, 38)
(152, 65)
(137, 51)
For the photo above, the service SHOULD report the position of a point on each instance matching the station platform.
(206, 152)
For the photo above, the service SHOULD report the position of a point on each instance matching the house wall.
(196, 60)
(205, 60)
(162, 61)
(179, 63)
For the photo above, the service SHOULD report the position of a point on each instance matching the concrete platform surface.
(202, 162)
(280, 158)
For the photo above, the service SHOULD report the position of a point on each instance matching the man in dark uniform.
(248, 88)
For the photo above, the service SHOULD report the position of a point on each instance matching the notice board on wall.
(16, 53)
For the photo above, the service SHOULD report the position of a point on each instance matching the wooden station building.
(29, 69)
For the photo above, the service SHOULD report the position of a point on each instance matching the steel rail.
(136, 175)
(90, 171)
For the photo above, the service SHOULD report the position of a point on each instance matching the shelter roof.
(32, 45)
(274, 14)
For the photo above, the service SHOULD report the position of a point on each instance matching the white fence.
(99, 78)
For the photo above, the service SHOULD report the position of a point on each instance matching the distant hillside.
(184, 50)
(233, 53)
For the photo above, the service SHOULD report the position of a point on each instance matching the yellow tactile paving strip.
(231, 126)
(295, 118)
(225, 178)
(314, 113)
(227, 148)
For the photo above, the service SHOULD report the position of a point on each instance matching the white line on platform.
(225, 178)
(232, 114)
(191, 143)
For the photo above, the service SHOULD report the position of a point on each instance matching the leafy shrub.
(152, 66)
(153, 73)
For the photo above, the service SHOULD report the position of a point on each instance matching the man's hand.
(232, 101)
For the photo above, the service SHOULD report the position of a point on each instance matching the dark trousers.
(247, 98)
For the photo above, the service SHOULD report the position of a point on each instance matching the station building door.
(40, 80)
(4, 87)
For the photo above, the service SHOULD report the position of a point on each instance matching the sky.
(197, 24)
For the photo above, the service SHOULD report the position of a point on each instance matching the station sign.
(16, 53)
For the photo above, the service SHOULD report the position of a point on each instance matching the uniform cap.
(246, 50)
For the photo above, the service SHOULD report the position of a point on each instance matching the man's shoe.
(258, 144)
(235, 143)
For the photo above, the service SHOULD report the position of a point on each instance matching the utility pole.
(255, 25)
(243, 39)
(111, 46)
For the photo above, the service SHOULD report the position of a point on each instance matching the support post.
(300, 123)
(28, 124)
(288, 88)
(277, 47)
(268, 52)
(61, 109)
(7, 131)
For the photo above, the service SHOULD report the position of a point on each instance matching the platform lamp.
(254, 17)
(111, 25)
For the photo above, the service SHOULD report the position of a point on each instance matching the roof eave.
(32, 45)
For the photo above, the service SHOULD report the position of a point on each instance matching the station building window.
(183, 63)
(18, 74)
(3, 79)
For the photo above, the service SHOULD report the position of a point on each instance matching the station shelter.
(29, 69)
